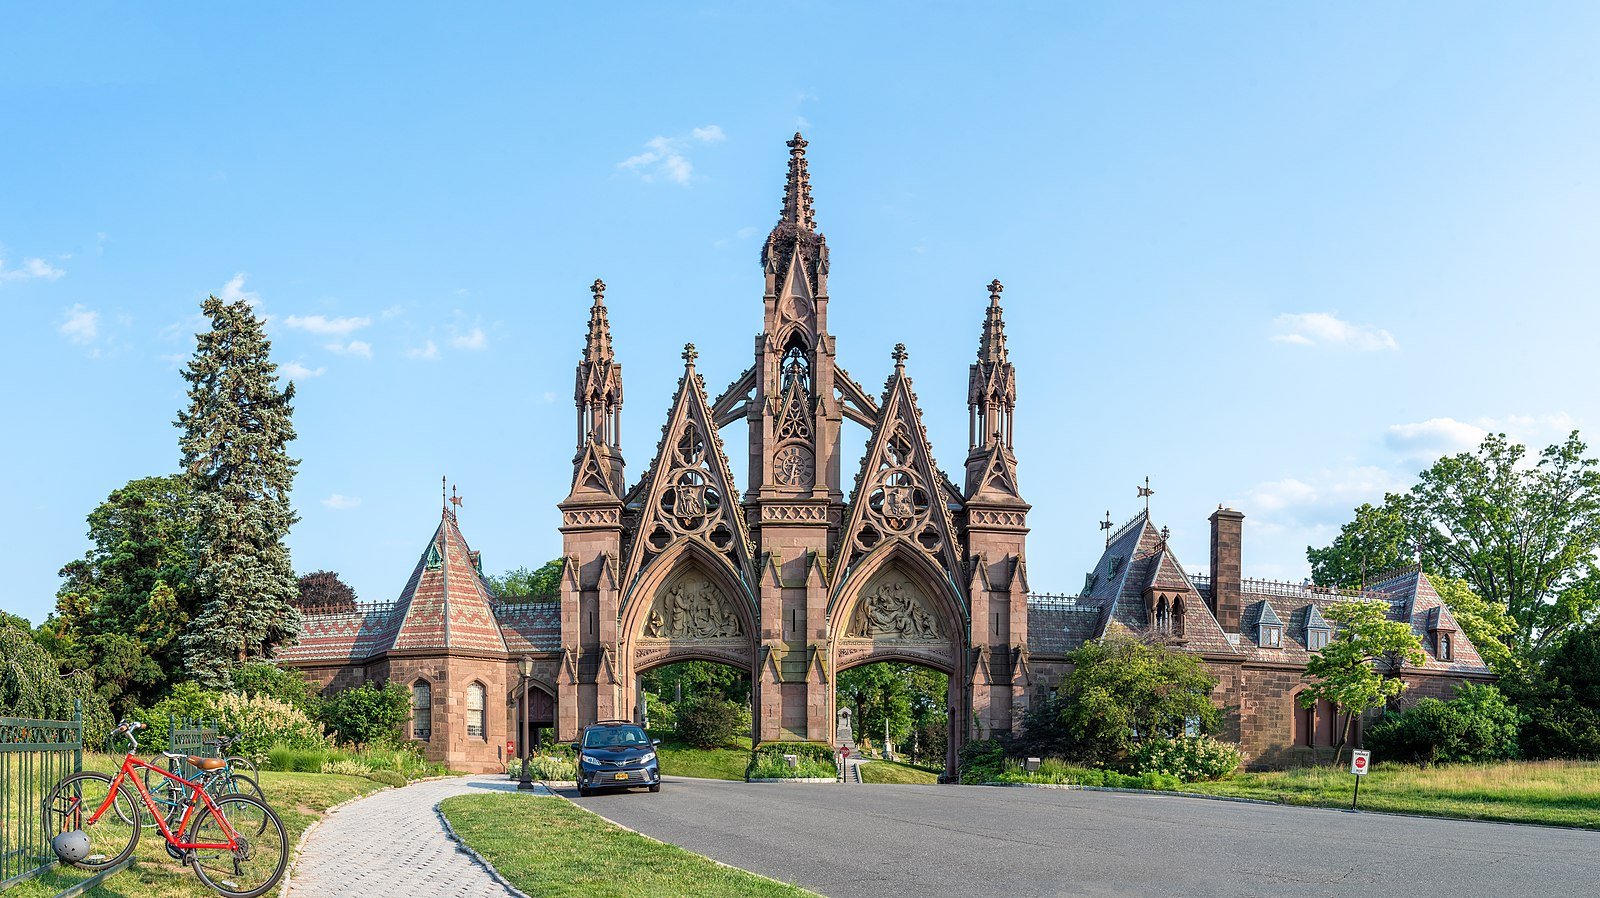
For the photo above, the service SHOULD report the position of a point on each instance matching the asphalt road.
(887, 841)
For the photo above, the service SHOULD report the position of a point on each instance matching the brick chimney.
(1227, 526)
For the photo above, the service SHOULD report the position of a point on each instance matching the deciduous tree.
(324, 591)
(1357, 670)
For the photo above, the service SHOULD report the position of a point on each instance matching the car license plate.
(620, 776)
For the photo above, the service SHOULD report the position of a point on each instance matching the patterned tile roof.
(529, 626)
(338, 636)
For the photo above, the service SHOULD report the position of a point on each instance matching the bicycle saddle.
(195, 761)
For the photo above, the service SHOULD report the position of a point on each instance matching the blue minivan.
(615, 755)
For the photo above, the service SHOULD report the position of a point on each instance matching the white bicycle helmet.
(71, 846)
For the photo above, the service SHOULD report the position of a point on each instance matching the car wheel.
(584, 792)
(655, 787)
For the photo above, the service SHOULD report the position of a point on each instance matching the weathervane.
(455, 499)
(1145, 492)
(1105, 526)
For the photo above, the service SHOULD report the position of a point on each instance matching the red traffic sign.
(1359, 761)
(845, 750)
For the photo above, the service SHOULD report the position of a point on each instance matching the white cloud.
(354, 347)
(234, 291)
(427, 351)
(1322, 328)
(474, 339)
(391, 312)
(325, 326)
(1318, 499)
(339, 502)
(1437, 437)
(297, 371)
(82, 325)
(31, 269)
(664, 157)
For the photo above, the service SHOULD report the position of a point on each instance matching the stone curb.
(681, 848)
(792, 779)
(462, 846)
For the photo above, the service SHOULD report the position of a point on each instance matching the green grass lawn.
(725, 763)
(299, 799)
(1562, 793)
(552, 848)
(896, 772)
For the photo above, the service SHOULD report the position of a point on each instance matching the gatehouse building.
(802, 574)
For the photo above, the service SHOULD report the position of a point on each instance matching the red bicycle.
(235, 843)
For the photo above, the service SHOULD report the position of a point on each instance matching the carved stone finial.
(690, 354)
(598, 288)
(798, 145)
(994, 289)
(899, 355)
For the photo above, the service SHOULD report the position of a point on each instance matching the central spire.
(797, 189)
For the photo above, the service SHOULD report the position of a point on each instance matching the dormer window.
(1316, 640)
(1163, 616)
(1271, 637)
(1443, 647)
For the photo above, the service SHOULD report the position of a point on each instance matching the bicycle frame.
(195, 788)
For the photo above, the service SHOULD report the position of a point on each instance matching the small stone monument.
(843, 736)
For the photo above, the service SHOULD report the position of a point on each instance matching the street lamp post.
(525, 667)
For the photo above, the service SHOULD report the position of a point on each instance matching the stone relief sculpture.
(894, 610)
(692, 609)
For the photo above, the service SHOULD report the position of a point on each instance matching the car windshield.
(615, 737)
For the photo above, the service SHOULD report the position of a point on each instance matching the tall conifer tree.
(236, 433)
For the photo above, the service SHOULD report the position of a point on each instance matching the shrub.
(367, 714)
(545, 767)
(813, 760)
(31, 685)
(388, 777)
(1187, 758)
(260, 721)
(981, 761)
(708, 721)
(1119, 688)
(285, 684)
(1477, 725)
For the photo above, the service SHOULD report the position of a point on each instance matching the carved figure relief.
(894, 610)
(692, 609)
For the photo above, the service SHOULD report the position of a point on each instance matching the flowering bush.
(1189, 758)
(260, 721)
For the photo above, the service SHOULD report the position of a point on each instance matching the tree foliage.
(1355, 671)
(910, 697)
(367, 714)
(1524, 536)
(710, 721)
(1487, 625)
(121, 609)
(683, 680)
(324, 591)
(1560, 701)
(32, 685)
(236, 431)
(520, 582)
(1376, 541)
(1477, 725)
(1120, 691)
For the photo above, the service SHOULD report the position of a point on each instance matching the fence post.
(77, 716)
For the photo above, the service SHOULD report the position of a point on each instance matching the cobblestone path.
(392, 844)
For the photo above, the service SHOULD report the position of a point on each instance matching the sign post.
(1359, 762)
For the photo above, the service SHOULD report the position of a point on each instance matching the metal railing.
(34, 756)
(1288, 588)
(192, 737)
(1055, 601)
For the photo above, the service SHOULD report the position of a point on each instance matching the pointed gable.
(688, 492)
(445, 604)
(900, 494)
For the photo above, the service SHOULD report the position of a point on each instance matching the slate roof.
(1137, 559)
(445, 606)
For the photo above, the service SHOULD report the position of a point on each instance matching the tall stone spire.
(597, 392)
(992, 383)
(796, 232)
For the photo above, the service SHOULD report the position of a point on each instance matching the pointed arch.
(639, 651)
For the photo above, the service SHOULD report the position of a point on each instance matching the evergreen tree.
(236, 432)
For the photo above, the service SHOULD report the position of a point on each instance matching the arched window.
(1163, 616)
(475, 715)
(1444, 646)
(421, 710)
(1177, 617)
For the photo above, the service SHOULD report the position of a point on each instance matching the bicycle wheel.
(257, 864)
(74, 800)
(239, 784)
(244, 765)
(168, 794)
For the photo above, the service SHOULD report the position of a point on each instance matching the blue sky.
(1270, 255)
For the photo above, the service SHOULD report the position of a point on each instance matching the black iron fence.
(191, 737)
(34, 756)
